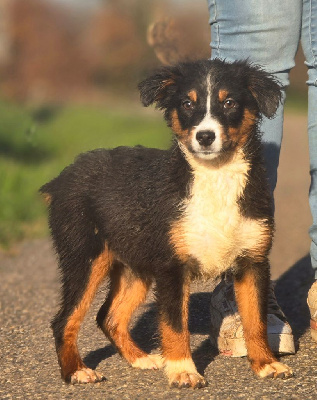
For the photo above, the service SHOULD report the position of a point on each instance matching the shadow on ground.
(291, 291)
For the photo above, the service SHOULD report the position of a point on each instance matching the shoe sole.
(280, 344)
(313, 334)
(313, 330)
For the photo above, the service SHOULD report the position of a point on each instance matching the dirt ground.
(292, 214)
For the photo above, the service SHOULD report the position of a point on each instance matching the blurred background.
(68, 76)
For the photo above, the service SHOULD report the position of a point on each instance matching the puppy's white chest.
(213, 230)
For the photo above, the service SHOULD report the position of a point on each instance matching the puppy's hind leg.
(127, 292)
(78, 293)
(84, 260)
(251, 287)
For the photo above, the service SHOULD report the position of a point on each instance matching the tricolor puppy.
(138, 216)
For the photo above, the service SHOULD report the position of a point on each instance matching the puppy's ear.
(160, 87)
(266, 91)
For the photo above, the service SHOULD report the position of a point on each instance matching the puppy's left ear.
(160, 87)
(266, 91)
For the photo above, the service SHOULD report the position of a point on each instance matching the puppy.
(140, 216)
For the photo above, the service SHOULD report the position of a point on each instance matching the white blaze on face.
(208, 123)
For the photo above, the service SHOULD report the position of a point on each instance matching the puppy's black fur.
(140, 215)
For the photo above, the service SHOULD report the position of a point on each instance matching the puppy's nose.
(205, 138)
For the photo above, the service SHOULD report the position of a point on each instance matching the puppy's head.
(211, 105)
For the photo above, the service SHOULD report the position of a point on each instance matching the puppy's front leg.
(173, 297)
(251, 288)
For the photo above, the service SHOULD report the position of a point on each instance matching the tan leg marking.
(179, 366)
(69, 358)
(263, 362)
(128, 292)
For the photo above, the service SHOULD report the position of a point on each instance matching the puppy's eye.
(188, 104)
(229, 103)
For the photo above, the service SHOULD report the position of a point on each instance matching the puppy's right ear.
(160, 87)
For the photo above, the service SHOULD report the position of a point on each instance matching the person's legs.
(309, 44)
(267, 33)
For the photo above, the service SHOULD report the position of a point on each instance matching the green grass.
(35, 145)
(296, 102)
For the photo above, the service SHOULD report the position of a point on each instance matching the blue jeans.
(268, 32)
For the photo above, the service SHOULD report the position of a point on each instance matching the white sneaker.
(312, 304)
(226, 325)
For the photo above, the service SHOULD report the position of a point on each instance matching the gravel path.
(28, 300)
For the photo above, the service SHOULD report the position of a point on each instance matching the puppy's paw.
(274, 370)
(150, 361)
(86, 375)
(187, 380)
(183, 374)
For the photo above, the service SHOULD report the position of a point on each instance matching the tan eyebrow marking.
(193, 95)
(223, 94)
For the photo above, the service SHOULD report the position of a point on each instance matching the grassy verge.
(296, 102)
(35, 145)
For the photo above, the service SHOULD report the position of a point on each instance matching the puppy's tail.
(72, 222)
(45, 192)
